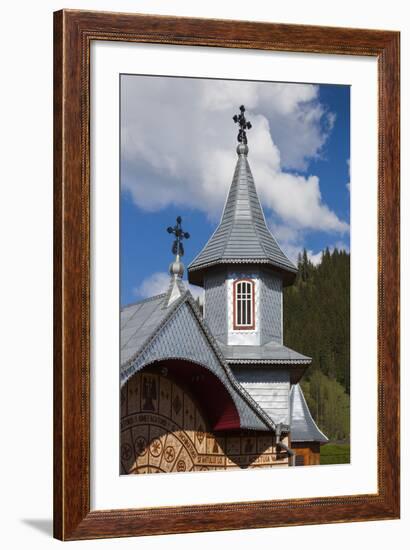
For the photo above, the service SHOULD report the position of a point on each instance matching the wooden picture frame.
(74, 32)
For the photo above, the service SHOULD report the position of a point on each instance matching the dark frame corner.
(73, 33)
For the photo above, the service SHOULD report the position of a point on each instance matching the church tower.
(243, 272)
(242, 268)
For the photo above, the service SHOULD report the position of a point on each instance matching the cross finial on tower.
(243, 125)
(176, 269)
(180, 234)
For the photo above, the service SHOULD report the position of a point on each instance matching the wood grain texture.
(73, 32)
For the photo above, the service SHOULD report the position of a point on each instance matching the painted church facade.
(217, 389)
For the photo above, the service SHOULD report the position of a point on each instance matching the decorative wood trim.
(234, 324)
(73, 33)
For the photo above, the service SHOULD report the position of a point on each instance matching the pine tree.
(317, 323)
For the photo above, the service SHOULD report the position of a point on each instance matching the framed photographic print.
(226, 275)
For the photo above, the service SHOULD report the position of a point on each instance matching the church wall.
(163, 429)
(269, 388)
(215, 304)
(271, 307)
(218, 311)
(307, 453)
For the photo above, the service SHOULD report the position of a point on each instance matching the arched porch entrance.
(177, 416)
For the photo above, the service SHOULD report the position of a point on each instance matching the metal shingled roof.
(271, 352)
(138, 322)
(242, 235)
(302, 425)
(154, 329)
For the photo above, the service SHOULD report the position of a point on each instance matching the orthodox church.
(217, 389)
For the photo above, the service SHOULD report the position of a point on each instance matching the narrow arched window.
(244, 304)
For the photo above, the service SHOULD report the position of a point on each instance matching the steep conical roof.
(242, 235)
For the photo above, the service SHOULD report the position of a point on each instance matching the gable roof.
(138, 322)
(152, 331)
(242, 235)
(302, 425)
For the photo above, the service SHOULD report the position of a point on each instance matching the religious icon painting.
(235, 274)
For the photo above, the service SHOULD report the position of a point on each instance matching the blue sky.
(178, 156)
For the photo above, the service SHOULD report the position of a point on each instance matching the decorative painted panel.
(163, 430)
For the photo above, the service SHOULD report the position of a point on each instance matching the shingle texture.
(216, 303)
(302, 425)
(271, 352)
(138, 322)
(271, 308)
(242, 235)
(269, 388)
(151, 332)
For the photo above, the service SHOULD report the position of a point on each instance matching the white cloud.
(314, 258)
(178, 146)
(292, 250)
(158, 282)
(297, 200)
(292, 242)
(317, 258)
(340, 245)
(284, 233)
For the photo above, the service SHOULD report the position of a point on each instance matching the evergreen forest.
(316, 313)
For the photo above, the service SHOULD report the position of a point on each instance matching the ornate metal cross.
(243, 125)
(180, 234)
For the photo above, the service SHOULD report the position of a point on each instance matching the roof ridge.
(179, 283)
(264, 220)
(260, 207)
(211, 237)
(235, 198)
(122, 308)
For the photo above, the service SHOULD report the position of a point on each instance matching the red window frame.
(237, 326)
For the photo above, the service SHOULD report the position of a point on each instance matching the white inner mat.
(108, 488)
